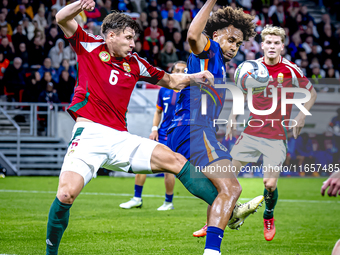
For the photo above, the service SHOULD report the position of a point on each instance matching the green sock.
(197, 184)
(270, 198)
(56, 225)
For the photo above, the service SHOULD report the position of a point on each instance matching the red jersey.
(284, 74)
(105, 83)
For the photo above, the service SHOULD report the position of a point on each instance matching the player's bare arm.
(333, 182)
(196, 39)
(300, 118)
(180, 81)
(155, 123)
(65, 17)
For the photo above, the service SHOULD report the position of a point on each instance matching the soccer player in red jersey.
(267, 135)
(107, 74)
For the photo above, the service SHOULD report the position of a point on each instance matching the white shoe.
(166, 206)
(242, 211)
(211, 252)
(135, 202)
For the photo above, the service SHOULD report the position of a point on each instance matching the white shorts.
(94, 146)
(249, 148)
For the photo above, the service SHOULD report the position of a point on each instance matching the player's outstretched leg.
(270, 196)
(169, 181)
(136, 201)
(70, 185)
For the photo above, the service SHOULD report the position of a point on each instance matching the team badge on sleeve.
(126, 67)
(104, 56)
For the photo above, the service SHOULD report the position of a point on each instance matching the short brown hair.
(118, 22)
(227, 16)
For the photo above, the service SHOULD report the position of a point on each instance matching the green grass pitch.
(306, 223)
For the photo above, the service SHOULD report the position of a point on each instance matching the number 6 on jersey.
(113, 77)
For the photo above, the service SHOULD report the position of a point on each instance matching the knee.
(270, 184)
(232, 189)
(66, 195)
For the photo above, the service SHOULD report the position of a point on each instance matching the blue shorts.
(197, 144)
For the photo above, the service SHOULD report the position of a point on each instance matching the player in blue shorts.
(166, 106)
(214, 40)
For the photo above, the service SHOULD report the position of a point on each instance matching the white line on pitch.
(161, 196)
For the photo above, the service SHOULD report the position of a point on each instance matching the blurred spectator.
(92, 27)
(168, 6)
(33, 88)
(22, 14)
(65, 86)
(104, 10)
(169, 30)
(279, 16)
(306, 17)
(51, 14)
(325, 20)
(47, 67)
(316, 50)
(40, 18)
(304, 67)
(58, 53)
(322, 155)
(303, 148)
(155, 29)
(328, 39)
(28, 8)
(285, 54)
(22, 53)
(65, 66)
(51, 40)
(171, 15)
(334, 127)
(186, 19)
(294, 46)
(143, 23)
(329, 53)
(6, 49)
(180, 12)
(14, 80)
(168, 56)
(28, 28)
(4, 34)
(4, 62)
(239, 58)
(186, 52)
(154, 56)
(48, 95)
(138, 49)
(19, 37)
(272, 9)
(35, 53)
(150, 42)
(316, 75)
(178, 42)
(125, 6)
(4, 23)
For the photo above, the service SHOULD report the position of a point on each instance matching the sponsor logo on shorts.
(222, 147)
(104, 56)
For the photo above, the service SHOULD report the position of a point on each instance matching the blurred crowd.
(38, 65)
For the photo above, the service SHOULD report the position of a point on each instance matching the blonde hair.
(273, 30)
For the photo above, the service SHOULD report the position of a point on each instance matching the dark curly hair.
(228, 16)
(118, 22)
